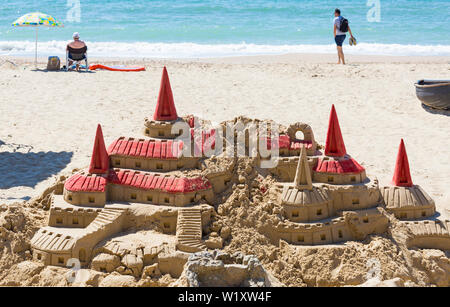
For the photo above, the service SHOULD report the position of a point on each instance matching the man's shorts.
(339, 39)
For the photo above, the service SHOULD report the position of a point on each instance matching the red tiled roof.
(338, 166)
(284, 142)
(135, 179)
(149, 181)
(155, 149)
(86, 183)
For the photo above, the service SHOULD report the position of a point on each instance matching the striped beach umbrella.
(36, 20)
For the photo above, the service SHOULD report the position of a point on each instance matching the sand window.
(147, 131)
(159, 166)
(319, 212)
(294, 213)
(355, 201)
(149, 198)
(69, 197)
(330, 179)
(203, 197)
(117, 162)
(323, 237)
(179, 166)
(192, 199)
(301, 239)
(138, 164)
(166, 200)
(167, 225)
(92, 199)
(39, 256)
(160, 133)
(403, 215)
(59, 221)
(75, 221)
(60, 260)
(366, 219)
(424, 213)
(340, 234)
(133, 196)
(353, 179)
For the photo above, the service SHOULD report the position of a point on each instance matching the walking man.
(340, 28)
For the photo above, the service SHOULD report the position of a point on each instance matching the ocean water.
(193, 28)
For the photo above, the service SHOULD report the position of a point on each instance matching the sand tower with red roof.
(404, 199)
(337, 167)
(165, 116)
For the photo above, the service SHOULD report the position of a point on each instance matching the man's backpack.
(344, 25)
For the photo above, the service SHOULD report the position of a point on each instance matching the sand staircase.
(107, 223)
(189, 230)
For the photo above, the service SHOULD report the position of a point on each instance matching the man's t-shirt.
(337, 22)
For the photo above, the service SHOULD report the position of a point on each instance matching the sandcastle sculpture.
(331, 198)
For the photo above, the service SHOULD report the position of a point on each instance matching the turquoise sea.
(193, 28)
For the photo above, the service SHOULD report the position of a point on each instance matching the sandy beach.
(48, 119)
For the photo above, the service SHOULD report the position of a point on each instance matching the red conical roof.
(100, 159)
(165, 107)
(334, 145)
(402, 175)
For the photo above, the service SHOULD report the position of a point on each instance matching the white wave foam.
(192, 50)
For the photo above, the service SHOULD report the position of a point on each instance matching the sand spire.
(165, 107)
(334, 145)
(303, 179)
(100, 159)
(402, 175)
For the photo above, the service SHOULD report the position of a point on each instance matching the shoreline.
(288, 58)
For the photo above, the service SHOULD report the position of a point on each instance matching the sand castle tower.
(165, 116)
(90, 188)
(302, 201)
(403, 198)
(337, 167)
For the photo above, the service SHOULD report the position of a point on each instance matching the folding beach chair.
(77, 56)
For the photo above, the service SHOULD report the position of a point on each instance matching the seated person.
(76, 50)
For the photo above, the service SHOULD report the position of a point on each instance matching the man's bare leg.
(341, 55)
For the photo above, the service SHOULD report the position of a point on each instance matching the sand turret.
(165, 107)
(303, 179)
(334, 146)
(165, 115)
(404, 199)
(100, 159)
(302, 201)
(402, 174)
(337, 167)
